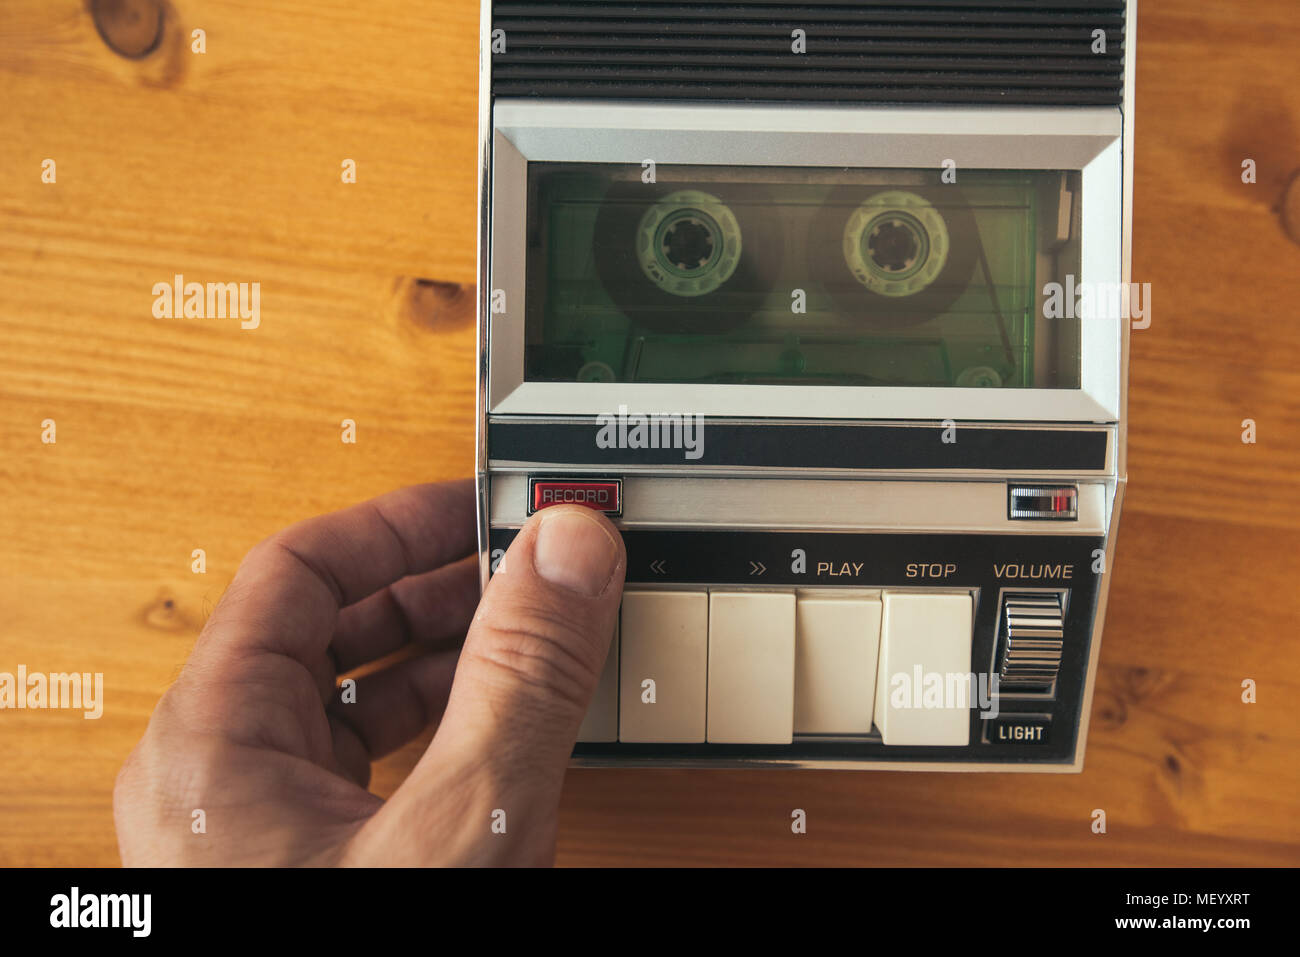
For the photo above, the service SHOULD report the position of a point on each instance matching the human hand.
(255, 734)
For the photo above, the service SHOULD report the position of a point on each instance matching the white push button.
(923, 681)
(837, 637)
(751, 667)
(601, 723)
(663, 662)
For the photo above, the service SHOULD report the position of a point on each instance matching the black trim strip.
(812, 446)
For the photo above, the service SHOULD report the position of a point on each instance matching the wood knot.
(1109, 710)
(435, 304)
(165, 614)
(1180, 771)
(1288, 208)
(1137, 684)
(131, 28)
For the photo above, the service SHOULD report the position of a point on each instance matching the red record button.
(602, 496)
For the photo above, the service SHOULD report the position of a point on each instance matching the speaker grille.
(913, 51)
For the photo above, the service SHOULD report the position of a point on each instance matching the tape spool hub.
(687, 259)
(905, 254)
(896, 243)
(689, 243)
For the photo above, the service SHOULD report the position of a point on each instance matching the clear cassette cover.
(807, 276)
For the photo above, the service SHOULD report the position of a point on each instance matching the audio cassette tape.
(872, 277)
(793, 322)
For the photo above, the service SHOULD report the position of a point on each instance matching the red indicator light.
(1060, 502)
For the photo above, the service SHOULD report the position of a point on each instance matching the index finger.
(286, 595)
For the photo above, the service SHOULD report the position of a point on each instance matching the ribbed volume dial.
(1033, 638)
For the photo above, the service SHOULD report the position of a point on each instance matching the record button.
(603, 496)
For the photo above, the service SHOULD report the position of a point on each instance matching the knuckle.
(270, 545)
(539, 650)
(288, 699)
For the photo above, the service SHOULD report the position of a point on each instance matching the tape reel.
(694, 260)
(895, 256)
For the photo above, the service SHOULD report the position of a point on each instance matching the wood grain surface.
(174, 435)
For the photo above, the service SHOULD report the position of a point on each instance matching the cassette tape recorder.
(822, 305)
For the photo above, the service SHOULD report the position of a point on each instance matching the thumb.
(536, 647)
(530, 664)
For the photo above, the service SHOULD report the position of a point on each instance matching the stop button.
(603, 495)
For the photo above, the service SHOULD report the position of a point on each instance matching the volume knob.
(1032, 639)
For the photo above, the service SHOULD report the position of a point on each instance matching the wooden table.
(174, 435)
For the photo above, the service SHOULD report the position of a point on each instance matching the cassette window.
(800, 276)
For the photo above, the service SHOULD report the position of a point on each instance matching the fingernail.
(574, 551)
